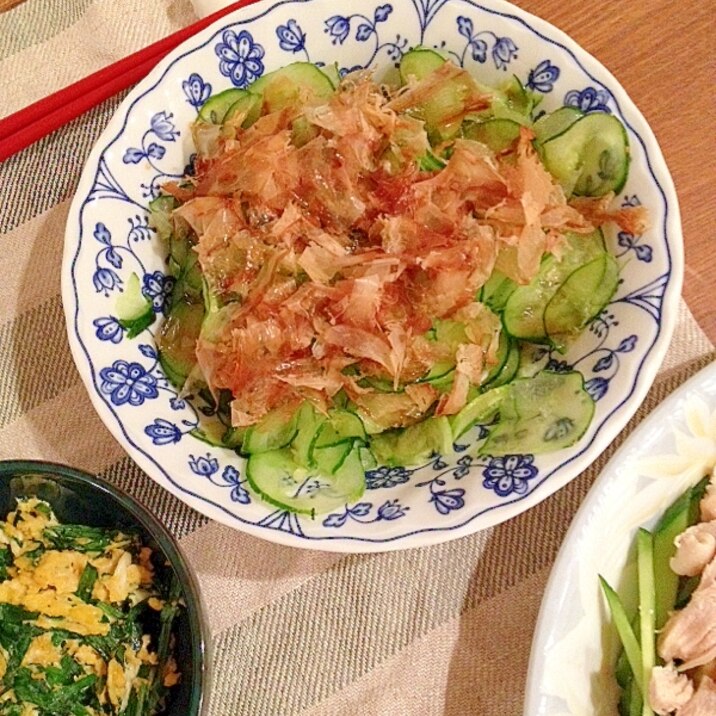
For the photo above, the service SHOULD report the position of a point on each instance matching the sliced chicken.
(668, 689)
(703, 702)
(695, 548)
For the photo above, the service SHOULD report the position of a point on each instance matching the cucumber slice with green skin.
(497, 134)
(591, 157)
(647, 641)
(291, 86)
(414, 444)
(176, 341)
(419, 63)
(519, 98)
(625, 631)
(215, 433)
(481, 409)
(134, 310)
(554, 123)
(247, 105)
(275, 430)
(328, 460)
(215, 108)
(503, 351)
(508, 370)
(333, 73)
(548, 412)
(308, 423)
(683, 513)
(581, 297)
(523, 314)
(277, 478)
(497, 289)
(341, 426)
(160, 211)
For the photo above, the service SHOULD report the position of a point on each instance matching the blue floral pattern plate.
(148, 142)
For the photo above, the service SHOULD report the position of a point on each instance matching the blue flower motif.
(148, 351)
(589, 99)
(391, 510)
(102, 234)
(543, 77)
(504, 52)
(465, 26)
(478, 49)
(204, 466)
(162, 432)
(509, 473)
(177, 403)
(108, 329)
(364, 31)
(630, 242)
(127, 382)
(113, 257)
(382, 12)
(239, 493)
(240, 57)
(335, 519)
(196, 90)
(386, 477)
(105, 280)
(163, 127)
(597, 387)
(133, 156)
(604, 363)
(338, 28)
(627, 344)
(156, 151)
(558, 366)
(361, 509)
(157, 288)
(448, 500)
(291, 37)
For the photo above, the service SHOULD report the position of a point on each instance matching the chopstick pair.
(28, 125)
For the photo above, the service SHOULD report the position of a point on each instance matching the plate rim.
(589, 451)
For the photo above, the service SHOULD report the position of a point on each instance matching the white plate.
(574, 649)
(147, 141)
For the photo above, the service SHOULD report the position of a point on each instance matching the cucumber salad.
(668, 662)
(362, 271)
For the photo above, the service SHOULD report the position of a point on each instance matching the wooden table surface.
(662, 53)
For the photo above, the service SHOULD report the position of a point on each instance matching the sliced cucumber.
(413, 444)
(678, 517)
(647, 640)
(481, 409)
(582, 296)
(247, 106)
(548, 412)
(308, 423)
(554, 123)
(176, 341)
(591, 157)
(419, 63)
(134, 309)
(497, 289)
(519, 98)
(625, 631)
(277, 478)
(215, 108)
(294, 85)
(275, 430)
(497, 134)
(341, 426)
(523, 314)
(160, 211)
(508, 369)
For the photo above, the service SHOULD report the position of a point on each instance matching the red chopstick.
(26, 126)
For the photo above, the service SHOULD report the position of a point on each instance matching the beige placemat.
(440, 630)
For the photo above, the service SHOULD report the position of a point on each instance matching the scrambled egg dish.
(85, 620)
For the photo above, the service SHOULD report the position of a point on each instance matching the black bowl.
(81, 498)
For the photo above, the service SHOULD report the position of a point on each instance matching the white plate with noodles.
(353, 483)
